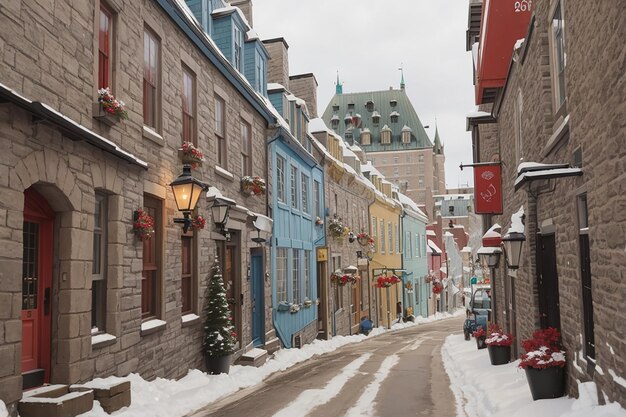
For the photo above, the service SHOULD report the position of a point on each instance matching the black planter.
(499, 355)
(216, 365)
(480, 342)
(546, 383)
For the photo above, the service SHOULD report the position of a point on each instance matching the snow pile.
(3, 410)
(483, 390)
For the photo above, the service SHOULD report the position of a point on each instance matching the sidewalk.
(484, 390)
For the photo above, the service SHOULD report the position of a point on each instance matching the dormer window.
(238, 41)
(350, 106)
(335, 108)
(394, 116)
(406, 134)
(385, 135)
(348, 134)
(393, 103)
(347, 120)
(356, 120)
(334, 121)
(369, 105)
(366, 137)
(375, 118)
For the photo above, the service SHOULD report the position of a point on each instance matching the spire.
(401, 69)
(338, 86)
(437, 147)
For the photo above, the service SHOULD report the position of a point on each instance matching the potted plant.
(479, 335)
(336, 229)
(283, 306)
(198, 222)
(499, 345)
(437, 286)
(543, 363)
(143, 225)
(364, 239)
(253, 185)
(319, 221)
(108, 109)
(294, 308)
(190, 155)
(384, 281)
(218, 342)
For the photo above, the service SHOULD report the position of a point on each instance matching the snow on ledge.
(103, 337)
(189, 317)
(152, 324)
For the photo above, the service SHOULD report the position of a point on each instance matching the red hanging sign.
(488, 189)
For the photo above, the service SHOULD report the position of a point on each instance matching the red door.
(36, 289)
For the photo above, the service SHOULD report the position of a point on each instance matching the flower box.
(364, 239)
(386, 282)
(103, 116)
(283, 306)
(190, 155)
(344, 279)
(253, 185)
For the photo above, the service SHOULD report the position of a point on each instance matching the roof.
(529, 171)
(437, 147)
(382, 105)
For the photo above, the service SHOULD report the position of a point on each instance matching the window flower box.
(190, 155)
(283, 306)
(108, 109)
(345, 279)
(253, 185)
(143, 225)
(386, 282)
(364, 239)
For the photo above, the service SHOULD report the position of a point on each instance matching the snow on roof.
(448, 197)
(547, 173)
(494, 231)
(405, 128)
(466, 249)
(230, 9)
(517, 225)
(431, 233)
(518, 44)
(252, 34)
(275, 86)
(448, 234)
(356, 147)
(394, 113)
(488, 250)
(317, 125)
(375, 114)
(537, 166)
(476, 114)
(434, 246)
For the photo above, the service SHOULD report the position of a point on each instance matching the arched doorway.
(36, 289)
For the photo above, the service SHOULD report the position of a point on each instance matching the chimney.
(246, 8)
(278, 65)
(304, 86)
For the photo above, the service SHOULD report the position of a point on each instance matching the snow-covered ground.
(484, 390)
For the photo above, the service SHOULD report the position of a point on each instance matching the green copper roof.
(438, 147)
(384, 103)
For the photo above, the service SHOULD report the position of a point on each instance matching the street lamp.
(220, 211)
(187, 190)
(512, 245)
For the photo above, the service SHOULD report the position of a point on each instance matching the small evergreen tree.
(219, 334)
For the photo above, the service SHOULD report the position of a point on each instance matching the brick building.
(537, 107)
(80, 295)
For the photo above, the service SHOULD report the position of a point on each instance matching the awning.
(535, 171)
(71, 129)
(433, 246)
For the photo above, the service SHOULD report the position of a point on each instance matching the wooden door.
(36, 289)
(548, 280)
(257, 292)
(231, 284)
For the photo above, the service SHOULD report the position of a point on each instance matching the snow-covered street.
(481, 390)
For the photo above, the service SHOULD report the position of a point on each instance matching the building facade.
(82, 295)
(552, 122)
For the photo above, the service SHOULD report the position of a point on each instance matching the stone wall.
(45, 58)
(278, 65)
(304, 86)
(594, 105)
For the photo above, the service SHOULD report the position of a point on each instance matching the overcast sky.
(368, 40)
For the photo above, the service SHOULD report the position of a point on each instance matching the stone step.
(255, 357)
(55, 401)
(112, 394)
(272, 345)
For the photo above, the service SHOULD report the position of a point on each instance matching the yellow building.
(386, 259)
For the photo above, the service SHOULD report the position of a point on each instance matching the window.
(150, 276)
(260, 73)
(407, 243)
(558, 55)
(307, 274)
(382, 236)
(420, 158)
(220, 131)
(369, 105)
(99, 265)
(151, 79)
(406, 136)
(585, 273)
(366, 138)
(418, 245)
(280, 178)
(295, 277)
(246, 149)
(316, 195)
(281, 274)
(305, 193)
(189, 106)
(186, 277)
(375, 232)
(238, 41)
(338, 289)
(420, 182)
(350, 106)
(408, 159)
(409, 171)
(397, 230)
(294, 187)
(105, 47)
(385, 136)
(375, 118)
(390, 236)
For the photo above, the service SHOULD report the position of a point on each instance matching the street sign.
(474, 280)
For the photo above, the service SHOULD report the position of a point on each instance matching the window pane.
(281, 274)
(305, 193)
(151, 262)
(186, 274)
(296, 276)
(316, 196)
(280, 178)
(98, 288)
(294, 185)
(246, 149)
(189, 107)
(104, 48)
(150, 79)
(307, 274)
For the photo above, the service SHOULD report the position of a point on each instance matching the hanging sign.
(488, 189)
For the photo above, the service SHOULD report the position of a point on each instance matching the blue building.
(296, 201)
(416, 290)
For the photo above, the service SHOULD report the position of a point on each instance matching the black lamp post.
(187, 190)
(220, 211)
(512, 244)
(491, 256)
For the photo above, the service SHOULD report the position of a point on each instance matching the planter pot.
(480, 342)
(546, 383)
(216, 365)
(105, 117)
(499, 355)
(363, 241)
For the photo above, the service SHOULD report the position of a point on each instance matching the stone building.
(554, 124)
(80, 295)
(385, 125)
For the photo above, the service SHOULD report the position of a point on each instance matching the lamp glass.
(186, 195)
(512, 252)
(493, 259)
(220, 212)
